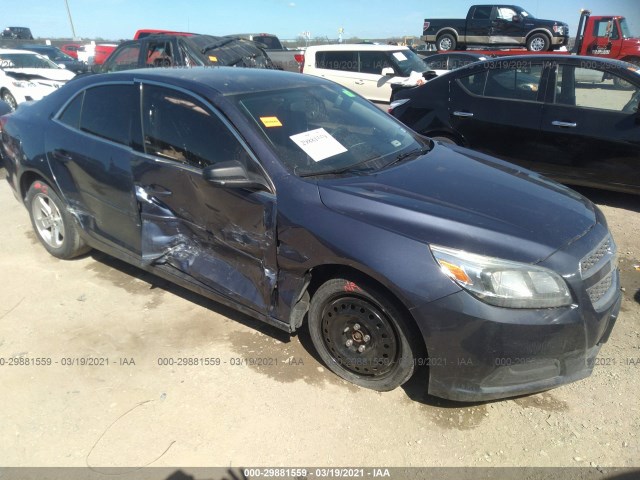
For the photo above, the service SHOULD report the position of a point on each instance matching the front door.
(497, 110)
(506, 31)
(222, 238)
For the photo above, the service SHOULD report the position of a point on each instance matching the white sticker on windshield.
(318, 144)
(401, 57)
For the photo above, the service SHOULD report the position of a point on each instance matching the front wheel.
(53, 225)
(361, 335)
(538, 42)
(7, 97)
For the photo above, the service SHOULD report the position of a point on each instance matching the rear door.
(479, 24)
(497, 109)
(591, 132)
(221, 238)
(90, 147)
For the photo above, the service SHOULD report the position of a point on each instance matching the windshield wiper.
(350, 169)
(418, 152)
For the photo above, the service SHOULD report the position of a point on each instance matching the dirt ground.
(129, 410)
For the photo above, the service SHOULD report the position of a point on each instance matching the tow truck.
(597, 36)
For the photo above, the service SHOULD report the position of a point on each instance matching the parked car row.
(295, 200)
(574, 119)
(27, 76)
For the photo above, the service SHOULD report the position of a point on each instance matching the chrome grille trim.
(600, 293)
(592, 263)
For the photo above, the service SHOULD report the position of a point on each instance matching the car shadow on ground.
(204, 302)
(625, 201)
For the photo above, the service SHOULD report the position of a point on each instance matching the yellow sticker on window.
(213, 58)
(270, 122)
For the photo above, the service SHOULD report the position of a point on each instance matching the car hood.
(463, 199)
(57, 74)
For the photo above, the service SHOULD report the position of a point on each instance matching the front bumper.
(478, 352)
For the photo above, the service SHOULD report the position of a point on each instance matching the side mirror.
(232, 174)
(516, 18)
(388, 72)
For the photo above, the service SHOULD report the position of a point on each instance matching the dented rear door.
(220, 237)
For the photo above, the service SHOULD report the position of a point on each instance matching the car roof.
(358, 46)
(14, 50)
(225, 80)
(575, 59)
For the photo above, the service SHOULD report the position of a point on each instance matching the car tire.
(361, 335)
(54, 226)
(445, 139)
(9, 99)
(621, 83)
(538, 42)
(446, 42)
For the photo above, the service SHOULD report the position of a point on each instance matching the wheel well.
(448, 30)
(27, 179)
(544, 32)
(456, 138)
(323, 273)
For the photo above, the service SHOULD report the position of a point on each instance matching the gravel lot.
(135, 412)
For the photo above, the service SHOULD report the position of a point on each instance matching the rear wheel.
(361, 335)
(446, 42)
(53, 225)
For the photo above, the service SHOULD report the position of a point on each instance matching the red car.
(102, 52)
(71, 49)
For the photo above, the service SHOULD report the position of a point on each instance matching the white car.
(367, 69)
(26, 76)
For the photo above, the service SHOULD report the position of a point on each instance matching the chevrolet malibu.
(298, 202)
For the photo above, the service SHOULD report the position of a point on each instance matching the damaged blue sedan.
(296, 201)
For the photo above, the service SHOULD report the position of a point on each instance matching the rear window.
(345, 61)
(270, 42)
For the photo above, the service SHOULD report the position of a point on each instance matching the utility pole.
(73, 30)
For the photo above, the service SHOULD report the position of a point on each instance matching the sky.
(119, 19)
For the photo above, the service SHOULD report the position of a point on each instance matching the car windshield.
(406, 61)
(626, 31)
(25, 60)
(326, 129)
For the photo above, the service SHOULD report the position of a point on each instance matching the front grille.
(592, 260)
(600, 289)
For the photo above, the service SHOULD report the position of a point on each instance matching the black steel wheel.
(361, 335)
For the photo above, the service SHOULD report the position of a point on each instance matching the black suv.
(186, 51)
(18, 33)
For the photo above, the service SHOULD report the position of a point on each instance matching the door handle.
(157, 191)
(463, 114)
(62, 156)
(564, 124)
(359, 82)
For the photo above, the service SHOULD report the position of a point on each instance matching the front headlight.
(501, 282)
(23, 84)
